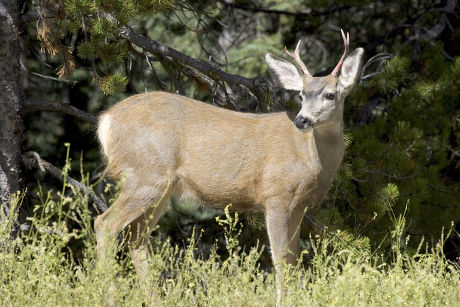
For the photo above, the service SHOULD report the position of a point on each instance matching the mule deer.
(165, 145)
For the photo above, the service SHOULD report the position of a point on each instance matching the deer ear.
(351, 69)
(284, 73)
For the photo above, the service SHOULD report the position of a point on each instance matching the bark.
(10, 95)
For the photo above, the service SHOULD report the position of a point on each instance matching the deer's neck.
(325, 147)
(329, 140)
(330, 146)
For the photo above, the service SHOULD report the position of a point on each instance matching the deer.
(166, 146)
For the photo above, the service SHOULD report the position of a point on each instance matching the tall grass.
(53, 264)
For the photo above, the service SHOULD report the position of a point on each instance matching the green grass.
(53, 264)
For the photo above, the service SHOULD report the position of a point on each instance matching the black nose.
(302, 122)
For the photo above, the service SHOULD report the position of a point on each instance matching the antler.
(346, 43)
(297, 59)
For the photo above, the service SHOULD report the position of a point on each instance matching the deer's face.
(322, 97)
(322, 102)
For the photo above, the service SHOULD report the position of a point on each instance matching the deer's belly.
(216, 190)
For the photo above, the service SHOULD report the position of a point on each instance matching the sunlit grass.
(40, 267)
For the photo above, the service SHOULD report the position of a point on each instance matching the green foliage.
(77, 8)
(86, 50)
(400, 159)
(100, 21)
(232, 231)
(107, 52)
(393, 74)
(104, 27)
(112, 84)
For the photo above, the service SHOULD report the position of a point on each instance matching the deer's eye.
(329, 96)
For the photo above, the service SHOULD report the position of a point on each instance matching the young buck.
(165, 145)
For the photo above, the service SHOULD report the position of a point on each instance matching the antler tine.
(346, 43)
(296, 57)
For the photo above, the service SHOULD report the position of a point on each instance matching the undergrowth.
(42, 266)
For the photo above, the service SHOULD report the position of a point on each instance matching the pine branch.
(33, 159)
(204, 67)
(44, 105)
(259, 86)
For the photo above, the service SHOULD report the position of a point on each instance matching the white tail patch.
(103, 131)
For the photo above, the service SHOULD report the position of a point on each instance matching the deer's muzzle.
(302, 122)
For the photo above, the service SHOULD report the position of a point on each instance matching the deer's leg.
(277, 220)
(133, 202)
(294, 235)
(140, 231)
(283, 228)
(278, 234)
(109, 224)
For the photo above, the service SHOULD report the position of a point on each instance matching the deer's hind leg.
(134, 201)
(140, 230)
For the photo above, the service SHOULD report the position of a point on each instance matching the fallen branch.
(44, 105)
(33, 159)
(318, 225)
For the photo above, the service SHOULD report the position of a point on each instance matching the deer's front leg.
(278, 233)
(295, 220)
(283, 227)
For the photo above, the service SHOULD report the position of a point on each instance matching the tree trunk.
(10, 95)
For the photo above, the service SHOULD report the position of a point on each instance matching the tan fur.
(165, 145)
(215, 159)
(214, 156)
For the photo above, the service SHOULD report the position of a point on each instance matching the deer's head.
(322, 97)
